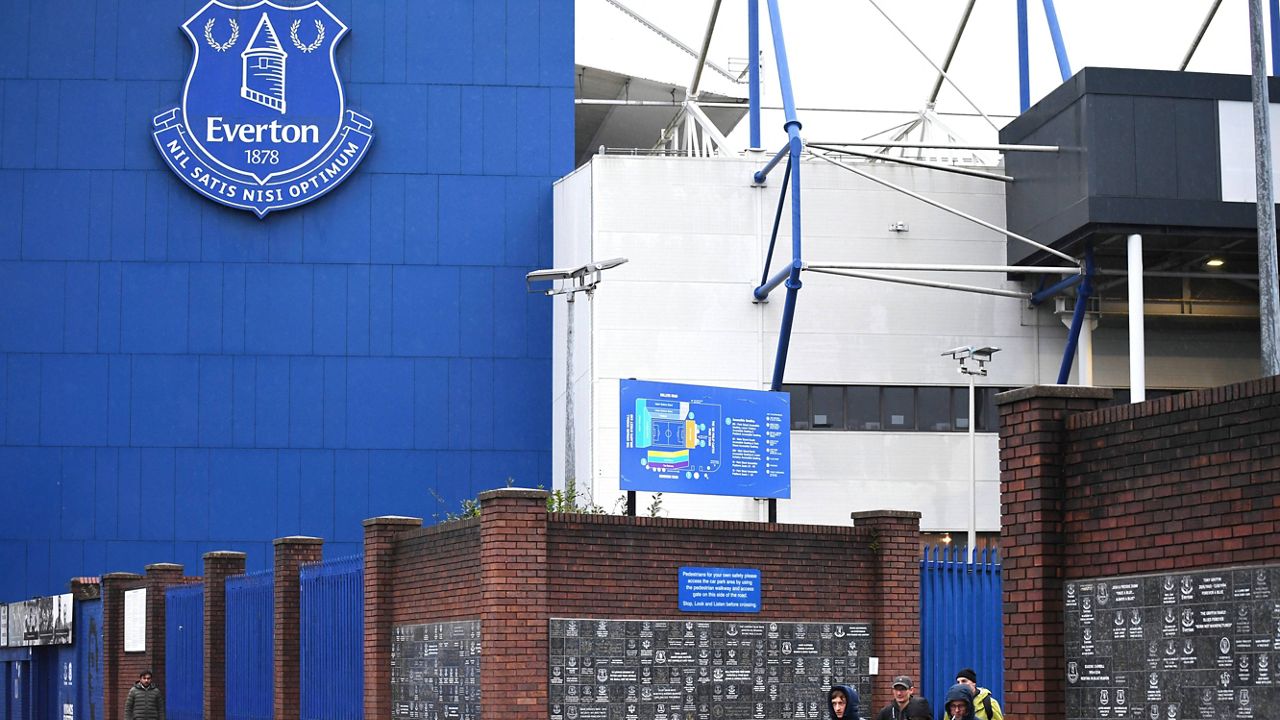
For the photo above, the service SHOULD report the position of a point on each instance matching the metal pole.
(753, 70)
(702, 53)
(1137, 341)
(570, 479)
(1024, 72)
(1268, 303)
(973, 474)
(951, 52)
(1055, 33)
(1204, 26)
(1275, 41)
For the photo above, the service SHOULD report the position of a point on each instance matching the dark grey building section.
(1139, 153)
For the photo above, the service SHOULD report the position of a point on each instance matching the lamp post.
(979, 356)
(569, 282)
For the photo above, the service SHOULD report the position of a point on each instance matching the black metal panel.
(1139, 153)
(1175, 646)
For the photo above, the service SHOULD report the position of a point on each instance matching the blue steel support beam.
(763, 173)
(1077, 318)
(1045, 293)
(1055, 32)
(753, 69)
(793, 279)
(1275, 41)
(765, 288)
(1024, 71)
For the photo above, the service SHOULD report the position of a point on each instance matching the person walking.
(145, 701)
(985, 706)
(958, 704)
(842, 703)
(906, 705)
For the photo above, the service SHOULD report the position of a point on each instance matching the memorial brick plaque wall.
(435, 671)
(703, 670)
(1174, 646)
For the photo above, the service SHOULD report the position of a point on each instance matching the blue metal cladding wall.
(249, 646)
(178, 377)
(87, 636)
(332, 640)
(184, 652)
(961, 621)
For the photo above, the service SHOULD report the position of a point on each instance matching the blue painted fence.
(961, 621)
(249, 646)
(332, 639)
(184, 652)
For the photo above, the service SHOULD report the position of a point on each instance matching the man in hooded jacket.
(145, 701)
(958, 704)
(842, 703)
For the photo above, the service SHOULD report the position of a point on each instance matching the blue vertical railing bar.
(1024, 64)
(184, 652)
(961, 620)
(753, 70)
(332, 639)
(794, 144)
(249, 639)
(1077, 317)
(1055, 32)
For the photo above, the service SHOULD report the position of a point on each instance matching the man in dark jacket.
(958, 704)
(905, 705)
(842, 703)
(145, 701)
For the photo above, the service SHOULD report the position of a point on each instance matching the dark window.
(933, 409)
(827, 407)
(898, 408)
(862, 407)
(988, 416)
(960, 409)
(799, 406)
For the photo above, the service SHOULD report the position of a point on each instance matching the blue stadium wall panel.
(178, 377)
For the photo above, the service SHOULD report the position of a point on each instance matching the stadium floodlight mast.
(569, 282)
(979, 356)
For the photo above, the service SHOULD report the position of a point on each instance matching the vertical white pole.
(1137, 339)
(1084, 351)
(973, 474)
(570, 481)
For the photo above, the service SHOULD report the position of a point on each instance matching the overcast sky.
(845, 54)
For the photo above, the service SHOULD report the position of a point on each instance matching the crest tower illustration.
(263, 67)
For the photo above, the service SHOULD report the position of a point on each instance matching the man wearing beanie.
(985, 707)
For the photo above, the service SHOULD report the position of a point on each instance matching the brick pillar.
(160, 576)
(513, 603)
(1032, 438)
(115, 682)
(290, 554)
(379, 606)
(218, 566)
(895, 538)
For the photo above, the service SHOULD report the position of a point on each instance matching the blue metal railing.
(961, 621)
(184, 652)
(249, 646)
(332, 639)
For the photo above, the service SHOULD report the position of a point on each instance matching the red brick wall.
(286, 617)
(121, 669)
(1182, 482)
(517, 566)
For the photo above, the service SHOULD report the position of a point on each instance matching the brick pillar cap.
(1069, 392)
(161, 567)
(393, 520)
(121, 576)
(224, 555)
(298, 540)
(521, 493)
(873, 514)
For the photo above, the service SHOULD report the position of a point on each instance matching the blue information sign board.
(705, 440)
(726, 590)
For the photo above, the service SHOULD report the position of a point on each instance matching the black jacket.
(917, 707)
(957, 692)
(851, 711)
(144, 703)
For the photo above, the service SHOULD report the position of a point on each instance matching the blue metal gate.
(332, 639)
(184, 652)
(249, 646)
(961, 621)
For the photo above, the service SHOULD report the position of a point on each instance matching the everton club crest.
(263, 124)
